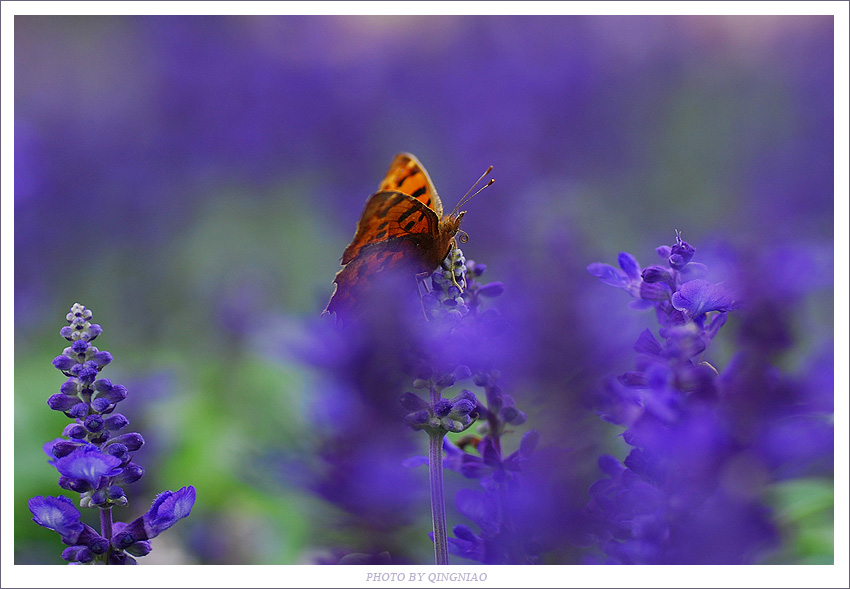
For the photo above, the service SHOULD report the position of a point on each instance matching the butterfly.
(402, 230)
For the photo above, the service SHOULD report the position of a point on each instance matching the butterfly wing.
(370, 277)
(391, 214)
(408, 175)
(396, 236)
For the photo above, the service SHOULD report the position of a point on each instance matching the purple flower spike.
(705, 443)
(93, 462)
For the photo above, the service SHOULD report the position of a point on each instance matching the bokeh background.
(193, 181)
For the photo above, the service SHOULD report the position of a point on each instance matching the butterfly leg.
(455, 282)
(453, 255)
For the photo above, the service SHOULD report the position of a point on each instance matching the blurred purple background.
(194, 180)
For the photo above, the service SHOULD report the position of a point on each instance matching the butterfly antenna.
(467, 197)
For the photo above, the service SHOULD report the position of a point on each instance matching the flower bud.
(61, 402)
(93, 423)
(462, 408)
(98, 545)
(63, 363)
(69, 387)
(63, 448)
(78, 411)
(77, 554)
(442, 407)
(654, 274)
(75, 431)
(142, 548)
(417, 419)
(116, 422)
(132, 472)
(413, 402)
(492, 289)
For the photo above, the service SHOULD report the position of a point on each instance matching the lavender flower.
(457, 315)
(95, 460)
(445, 308)
(455, 290)
(497, 510)
(365, 362)
(671, 500)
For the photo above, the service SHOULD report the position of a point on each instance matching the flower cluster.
(436, 360)
(461, 324)
(683, 302)
(496, 509)
(682, 496)
(454, 288)
(448, 283)
(497, 416)
(450, 415)
(95, 459)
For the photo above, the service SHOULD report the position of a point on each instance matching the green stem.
(438, 500)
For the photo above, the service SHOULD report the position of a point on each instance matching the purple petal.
(58, 514)
(473, 468)
(414, 461)
(681, 254)
(629, 265)
(715, 325)
(88, 464)
(464, 533)
(167, 509)
(610, 465)
(528, 443)
(658, 291)
(480, 508)
(694, 270)
(133, 441)
(609, 274)
(647, 344)
(700, 296)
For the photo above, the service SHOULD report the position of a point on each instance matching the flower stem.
(438, 500)
(106, 524)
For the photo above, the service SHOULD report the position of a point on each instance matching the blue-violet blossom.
(95, 459)
(678, 497)
(455, 304)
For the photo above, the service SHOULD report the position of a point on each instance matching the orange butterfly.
(402, 229)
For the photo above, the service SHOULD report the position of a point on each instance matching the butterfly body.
(402, 231)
